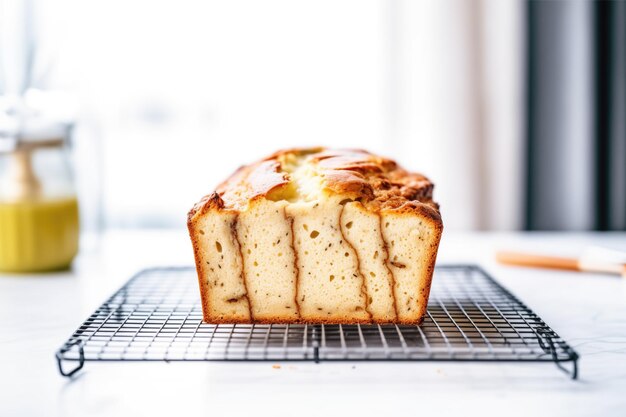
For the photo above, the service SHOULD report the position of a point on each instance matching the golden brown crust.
(207, 202)
(252, 181)
(378, 182)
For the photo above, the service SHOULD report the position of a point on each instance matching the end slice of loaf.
(317, 236)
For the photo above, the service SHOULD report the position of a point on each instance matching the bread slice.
(317, 236)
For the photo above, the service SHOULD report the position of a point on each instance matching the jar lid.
(32, 133)
(23, 126)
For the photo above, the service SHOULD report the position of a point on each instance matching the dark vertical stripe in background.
(552, 200)
(531, 47)
(610, 114)
(617, 146)
(603, 71)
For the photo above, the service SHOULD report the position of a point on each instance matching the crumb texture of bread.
(412, 243)
(362, 229)
(317, 236)
(218, 256)
(330, 284)
(268, 257)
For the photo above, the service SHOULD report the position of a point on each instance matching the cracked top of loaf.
(306, 175)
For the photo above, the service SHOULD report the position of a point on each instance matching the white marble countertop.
(38, 313)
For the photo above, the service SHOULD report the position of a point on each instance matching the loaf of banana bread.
(317, 236)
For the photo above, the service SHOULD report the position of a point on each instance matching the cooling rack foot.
(67, 348)
(573, 371)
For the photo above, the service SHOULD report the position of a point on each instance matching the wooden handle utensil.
(594, 259)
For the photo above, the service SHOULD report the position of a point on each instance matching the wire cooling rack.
(156, 316)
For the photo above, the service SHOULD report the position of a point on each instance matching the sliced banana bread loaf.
(317, 236)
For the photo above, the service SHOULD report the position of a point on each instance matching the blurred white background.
(174, 95)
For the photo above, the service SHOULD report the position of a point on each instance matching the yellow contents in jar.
(38, 235)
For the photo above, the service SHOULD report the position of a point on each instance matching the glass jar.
(39, 225)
